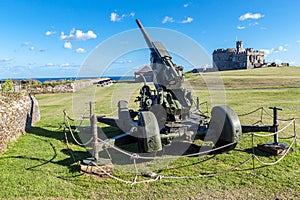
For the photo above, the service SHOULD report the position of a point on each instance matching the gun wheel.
(148, 133)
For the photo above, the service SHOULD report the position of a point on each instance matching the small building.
(237, 58)
(146, 72)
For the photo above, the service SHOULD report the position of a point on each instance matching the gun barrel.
(145, 34)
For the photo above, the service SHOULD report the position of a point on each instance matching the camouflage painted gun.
(165, 112)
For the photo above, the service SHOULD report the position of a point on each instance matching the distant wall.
(78, 85)
(17, 114)
(63, 88)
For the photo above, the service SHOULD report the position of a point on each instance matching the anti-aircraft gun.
(165, 112)
(168, 80)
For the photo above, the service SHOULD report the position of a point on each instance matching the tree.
(8, 85)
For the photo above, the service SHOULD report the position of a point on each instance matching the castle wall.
(254, 58)
(237, 58)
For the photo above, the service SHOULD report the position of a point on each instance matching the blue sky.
(42, 38)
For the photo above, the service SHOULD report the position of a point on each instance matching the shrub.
(8, 86)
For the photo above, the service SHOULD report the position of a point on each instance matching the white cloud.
(6, 59)
(78, 35)
(32, 48)
(187, 20)
(50, 64)
(250, 16)
(115, 17)
(240, 27)
(278, 61)
(292, 62)
(48, 33)
(276, 50)
(281, 48)
(123, 61)
(26, 44)
(253, 24)
(186, 5)
(167, 19)
(268, 51)
(68, 45)
(43, 50)
(171, 20)
(65, 65)
(132, 14)
(80, 50)
(298, 41)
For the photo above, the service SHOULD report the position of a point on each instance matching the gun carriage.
(165, 112)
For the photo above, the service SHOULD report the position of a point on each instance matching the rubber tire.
(148, 133)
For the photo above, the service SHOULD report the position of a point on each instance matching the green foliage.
(7, 86)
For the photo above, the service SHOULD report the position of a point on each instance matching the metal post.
(91, 108)
(295, 134)
(95, 137)
(91, 112)
(197, 103)
(275, 123)
(253, 154)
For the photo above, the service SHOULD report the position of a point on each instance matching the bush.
(7, 86)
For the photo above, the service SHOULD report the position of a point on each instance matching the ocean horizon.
(115, 78)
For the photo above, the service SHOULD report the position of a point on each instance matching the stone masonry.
(237, 58)
(16, 116)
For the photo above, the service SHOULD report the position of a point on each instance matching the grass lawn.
(38, 165)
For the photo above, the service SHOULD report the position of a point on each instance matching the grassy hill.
(260, 78)
(39, 165)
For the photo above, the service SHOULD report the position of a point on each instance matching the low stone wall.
(81, 84)
(17, 114)
(63, 88)
(66, 87)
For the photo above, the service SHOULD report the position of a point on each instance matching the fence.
(135, 157)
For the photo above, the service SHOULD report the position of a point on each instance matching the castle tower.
(239, 46)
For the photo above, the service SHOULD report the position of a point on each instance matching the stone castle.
(237, 58)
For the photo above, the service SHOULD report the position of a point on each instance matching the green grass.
(261, 78)
(39, 165)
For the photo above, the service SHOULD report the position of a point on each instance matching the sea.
(115, 78)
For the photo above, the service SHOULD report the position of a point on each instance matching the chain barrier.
(68, 125)
(135, 156)
(251, 112)
(279, 119)
(272, 134)
(277, 161)
(263, 110)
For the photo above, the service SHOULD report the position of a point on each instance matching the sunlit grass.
(39, 165)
